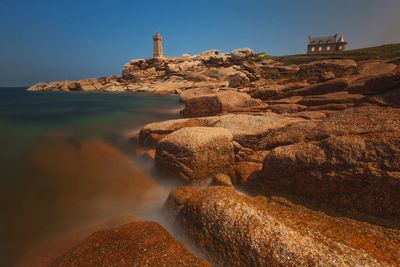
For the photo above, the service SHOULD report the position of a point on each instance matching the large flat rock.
(244, 128)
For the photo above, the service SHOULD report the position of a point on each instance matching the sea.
(50, 142)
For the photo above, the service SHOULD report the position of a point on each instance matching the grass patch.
(382, 51)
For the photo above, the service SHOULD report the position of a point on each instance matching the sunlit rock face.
(351, 159)
(241, 54)
(134, 244)
(235, 230)
(212, 104)
(244, 128)
(47, 250)
(194, 154)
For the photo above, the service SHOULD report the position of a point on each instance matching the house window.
(328, 48)
(312, 49)
(340, 47)
(320, 48)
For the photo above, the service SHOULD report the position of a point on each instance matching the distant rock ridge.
(165, 74)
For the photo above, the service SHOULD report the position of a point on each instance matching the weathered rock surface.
(247, 174)
(245, 129)
(134, 244)
(242, 54)
(330, 98)
(235, 230)
(190, 93)
(266, 92)
(238, 80)
(316, 71)
(316, 89)
(194, 154)
(379, 84)
(220, 73)
(51, 248)
(212, 104)
(375, 68)
(221, 180)
(351, 159)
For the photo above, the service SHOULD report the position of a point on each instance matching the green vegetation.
(260, 56)
(382, 51)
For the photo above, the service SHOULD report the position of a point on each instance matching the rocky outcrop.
(38, 87)
(212, 104)
(154, 74)
(241, 54)
(343, 159)
(194, 154)
(134, 244)
(350, 160)
(320, 140)
(110, 83)
(234, 230)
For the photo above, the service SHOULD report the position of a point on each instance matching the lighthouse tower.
(157, 51)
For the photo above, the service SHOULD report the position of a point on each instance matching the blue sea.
(38, 133)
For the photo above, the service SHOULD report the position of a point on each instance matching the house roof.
(322, 39)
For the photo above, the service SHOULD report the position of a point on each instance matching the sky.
(47, 40)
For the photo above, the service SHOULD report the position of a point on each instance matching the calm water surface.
(52, 145)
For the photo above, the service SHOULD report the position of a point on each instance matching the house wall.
(323, 48)
(341, 46)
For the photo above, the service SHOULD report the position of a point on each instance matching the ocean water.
(61, 151)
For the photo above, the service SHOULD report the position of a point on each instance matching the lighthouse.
(157, 46)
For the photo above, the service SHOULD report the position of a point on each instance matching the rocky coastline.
(275, 164)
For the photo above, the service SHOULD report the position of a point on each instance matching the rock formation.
(235, 230)
(196, 153)
(316, 144)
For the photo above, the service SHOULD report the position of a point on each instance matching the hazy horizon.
(70, 40)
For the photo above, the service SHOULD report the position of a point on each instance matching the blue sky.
(45, 40)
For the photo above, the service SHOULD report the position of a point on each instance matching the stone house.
(325, 44)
